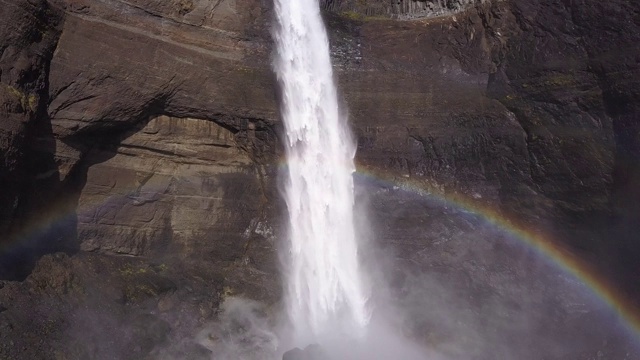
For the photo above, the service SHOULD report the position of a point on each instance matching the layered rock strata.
(400, 9)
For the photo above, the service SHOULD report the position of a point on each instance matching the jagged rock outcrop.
(311, 352)
(398, 9)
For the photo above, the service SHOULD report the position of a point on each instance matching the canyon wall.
(140, 143)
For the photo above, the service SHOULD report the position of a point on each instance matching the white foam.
(325, 289)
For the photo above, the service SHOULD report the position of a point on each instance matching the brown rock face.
(172, 182)
(574, 97)
(109, 76)
(513, 103)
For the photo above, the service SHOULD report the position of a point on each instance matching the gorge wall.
(140, 139)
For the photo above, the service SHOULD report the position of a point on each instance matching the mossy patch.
(352, 15)
(143, 282)
(553, 81)
(227, 291)
(27, 101)
(129, 270)
(356, 16)
(185, 6)
(244, 69)
(561, 80)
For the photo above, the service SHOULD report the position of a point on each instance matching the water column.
(324, 291)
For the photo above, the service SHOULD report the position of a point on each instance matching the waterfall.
(325, 293)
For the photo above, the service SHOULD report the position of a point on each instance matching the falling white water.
(325, 291)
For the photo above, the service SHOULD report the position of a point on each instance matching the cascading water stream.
(325, 291)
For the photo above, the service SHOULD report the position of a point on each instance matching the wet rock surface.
(311, 352)
(102, 307)
(140, 152)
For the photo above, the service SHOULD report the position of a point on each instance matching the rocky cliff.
(110, 75)
(140, 147)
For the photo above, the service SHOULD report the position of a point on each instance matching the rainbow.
(58, 212)
(62, 210)
(541, 243)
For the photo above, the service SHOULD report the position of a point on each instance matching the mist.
(448, 287)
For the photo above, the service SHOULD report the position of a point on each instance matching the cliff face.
(571, 78)
(138, 138)
(512, 101)
(141, 138)
(116, 67)
(529, 104)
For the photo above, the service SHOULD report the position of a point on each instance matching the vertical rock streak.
(325, 290)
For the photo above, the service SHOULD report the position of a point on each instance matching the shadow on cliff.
(625, 200)
(34, 229)
(47, 219)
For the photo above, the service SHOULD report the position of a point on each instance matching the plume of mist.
(469, 294)
(243, 331)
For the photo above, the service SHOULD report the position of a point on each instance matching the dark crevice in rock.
(625, 199)
(27, 72)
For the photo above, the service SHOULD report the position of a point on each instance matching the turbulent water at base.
(325, 292)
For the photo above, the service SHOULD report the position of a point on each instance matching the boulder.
(311, 352)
